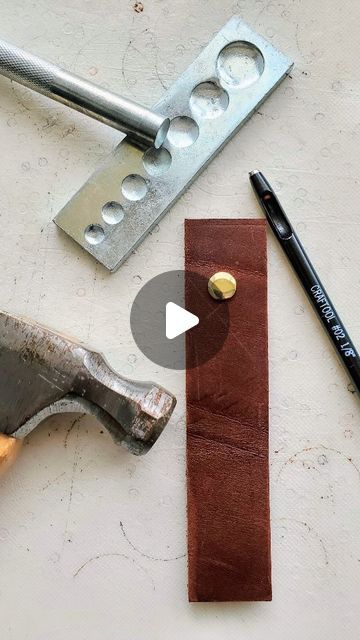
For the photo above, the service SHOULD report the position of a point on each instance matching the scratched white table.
(93, 541)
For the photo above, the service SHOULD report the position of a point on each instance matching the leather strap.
(227, 420)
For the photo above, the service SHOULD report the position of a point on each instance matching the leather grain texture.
(227, 420)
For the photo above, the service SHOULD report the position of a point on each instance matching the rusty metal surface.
(42, 372)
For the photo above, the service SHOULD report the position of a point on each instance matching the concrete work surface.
(93, 540)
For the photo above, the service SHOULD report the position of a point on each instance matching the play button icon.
(175, 334)
(178, 320)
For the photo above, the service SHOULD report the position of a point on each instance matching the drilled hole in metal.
(183, 132)
(208, 100)
(134, 187)
(94, 234)
(240, 64)
(157, 161)
(112, 212)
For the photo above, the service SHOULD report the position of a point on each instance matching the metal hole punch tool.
(129, 194)
(143, 126)
(43, 373)
(314, 289)
(131, 191)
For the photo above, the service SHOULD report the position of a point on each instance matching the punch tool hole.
(94, 234)
(112, 212)
(208, 100)
(183, 132)
(157, 161)
(240, 64)
(134, 187)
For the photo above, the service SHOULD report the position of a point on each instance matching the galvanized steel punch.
(132, 190)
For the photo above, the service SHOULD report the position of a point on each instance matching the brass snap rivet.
(222, 286)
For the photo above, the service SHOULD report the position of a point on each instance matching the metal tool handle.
(142, 124)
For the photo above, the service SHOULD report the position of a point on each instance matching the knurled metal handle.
(145, 126)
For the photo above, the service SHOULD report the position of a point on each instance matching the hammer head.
(42, 373)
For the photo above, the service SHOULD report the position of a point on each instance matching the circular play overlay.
(161, 308)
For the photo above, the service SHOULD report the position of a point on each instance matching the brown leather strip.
(227, 420)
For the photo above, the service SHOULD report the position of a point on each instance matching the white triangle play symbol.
(178, 320)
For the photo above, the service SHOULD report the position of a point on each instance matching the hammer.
(43, 373)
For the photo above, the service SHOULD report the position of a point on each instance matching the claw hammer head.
(42, 373)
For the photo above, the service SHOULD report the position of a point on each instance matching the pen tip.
(253, 173)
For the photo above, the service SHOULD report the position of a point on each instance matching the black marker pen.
(307, 275)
